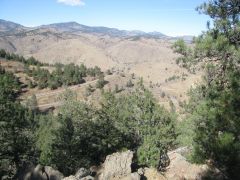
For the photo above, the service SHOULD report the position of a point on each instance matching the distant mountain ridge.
(8, 28)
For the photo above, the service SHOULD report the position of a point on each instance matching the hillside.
(147, 55)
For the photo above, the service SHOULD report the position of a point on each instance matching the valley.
(149, 56)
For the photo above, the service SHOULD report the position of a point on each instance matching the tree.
(44, 137)
(32, 103)
(89, 90)
(214, 104)
(130, 84)
(155, 129)
(16, 137)
(180, 47)
(63, 146)
(2, 53)
(101, 82)
(9, 86)
(16, 128)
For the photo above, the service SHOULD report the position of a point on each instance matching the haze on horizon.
(171, 17)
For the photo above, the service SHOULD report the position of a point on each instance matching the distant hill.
(7, 27)
(147, 55)
(73, 27)
(10, 28)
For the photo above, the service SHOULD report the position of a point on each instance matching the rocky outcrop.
(153, 174)
(117, 166)
(81, 174)
(132, 176)
(180, 168)
(43, 173)
(70, 178)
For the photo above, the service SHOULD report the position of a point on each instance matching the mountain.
(73, 27)
(10, 28)
(7, 27)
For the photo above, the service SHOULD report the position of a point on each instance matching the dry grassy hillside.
(150, 58)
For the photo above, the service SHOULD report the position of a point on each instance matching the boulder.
(117, 165)
(153, 174)
(81, 173)
(70, 178)
(53, 174)
(132, 176)
(180, 168)
(87, 178)
(43, 173)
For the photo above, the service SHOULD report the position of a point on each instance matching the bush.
(129, 84)
(100, 83)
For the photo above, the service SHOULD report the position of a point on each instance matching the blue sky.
(171, 17)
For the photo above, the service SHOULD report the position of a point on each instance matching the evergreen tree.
(63, 156)
(16, 128)
(214, 105)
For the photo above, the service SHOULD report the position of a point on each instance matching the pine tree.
(214, 105)
(16, 128)
(63, 146)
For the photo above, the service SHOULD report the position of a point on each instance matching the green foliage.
(16, 128)
(62, 75)
(46, 125)
(16, 137)
(187, 59)
(15, 57)
(213, 109)
(152, 126)
(129, 84)
(67, 75)
(89, 90)
(101, 82)
(9, 85)
(180, 47)
(163, 94)
(94, 72)
(86, 134)
(63, 146)
(32, 103)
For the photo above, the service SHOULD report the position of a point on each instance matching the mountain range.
(10, 28)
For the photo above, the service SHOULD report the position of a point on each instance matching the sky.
(171, 17)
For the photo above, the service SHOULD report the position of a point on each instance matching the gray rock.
(141, 171)
(70, 178)
(82, 172)
(53, 174)
(117, 165)
(133, 176)
(88, 178)
(43, 173)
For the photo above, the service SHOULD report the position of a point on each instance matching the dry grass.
(152, 59)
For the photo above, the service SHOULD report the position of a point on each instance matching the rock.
(132, 176)
(70, 178)
(141, 171)
(117, 165)
(43, 173)
(75, 178)
(88, 178)
(53, 174)
(82, 172)
(153, 174)
(180, 168)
